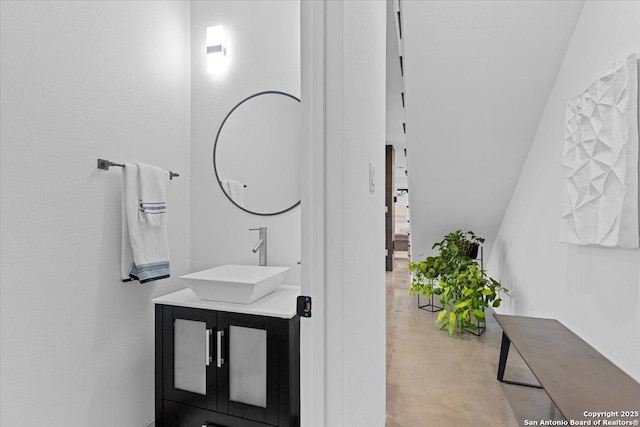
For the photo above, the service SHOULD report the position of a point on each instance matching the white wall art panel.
(600, 161)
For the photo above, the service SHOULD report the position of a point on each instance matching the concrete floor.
(437, 380)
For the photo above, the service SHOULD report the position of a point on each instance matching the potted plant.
(464, 289)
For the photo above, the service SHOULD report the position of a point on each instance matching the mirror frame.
(215, 147)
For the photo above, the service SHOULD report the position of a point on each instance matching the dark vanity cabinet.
(217, 368)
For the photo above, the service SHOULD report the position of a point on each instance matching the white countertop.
(280, 303)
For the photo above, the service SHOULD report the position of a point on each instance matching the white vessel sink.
(241, 284)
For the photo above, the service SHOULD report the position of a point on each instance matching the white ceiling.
(477, 75)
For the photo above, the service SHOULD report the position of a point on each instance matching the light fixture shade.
(216, 49)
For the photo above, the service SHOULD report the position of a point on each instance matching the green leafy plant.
(464, 289)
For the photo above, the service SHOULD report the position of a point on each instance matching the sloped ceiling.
(395, 111)
(477, 75)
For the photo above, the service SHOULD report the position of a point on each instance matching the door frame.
(312, 204)
(321, 160)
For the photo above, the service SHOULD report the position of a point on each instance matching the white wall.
(82, 80)
(264, 54)
(364, 33)
(355, 137)
(594, 291)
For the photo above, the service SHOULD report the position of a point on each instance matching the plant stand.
(429, 306)
(482, 326)
(481, 259)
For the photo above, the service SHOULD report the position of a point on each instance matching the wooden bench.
(578, 379)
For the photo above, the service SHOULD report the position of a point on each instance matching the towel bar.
(244, 185)
(105, 164)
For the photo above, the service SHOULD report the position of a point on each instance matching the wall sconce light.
(216, 49)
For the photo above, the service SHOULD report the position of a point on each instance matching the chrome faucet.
(261, 245)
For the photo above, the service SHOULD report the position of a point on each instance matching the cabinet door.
(248, 378)
(188, 366)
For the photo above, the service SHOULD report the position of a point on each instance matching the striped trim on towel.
(150, 272)
(153, 208)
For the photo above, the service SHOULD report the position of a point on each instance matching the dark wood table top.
(576, 377)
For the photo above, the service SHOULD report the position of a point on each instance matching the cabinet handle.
(207, 357)
(219, 359)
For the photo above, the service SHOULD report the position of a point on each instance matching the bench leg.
(502, 364)
(504, 353)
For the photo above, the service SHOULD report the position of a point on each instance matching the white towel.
(153, 194)
(235, 190)
(145, 248)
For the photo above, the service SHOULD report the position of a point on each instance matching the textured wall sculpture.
(600, 161)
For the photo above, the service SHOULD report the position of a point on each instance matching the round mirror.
(255, 156)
